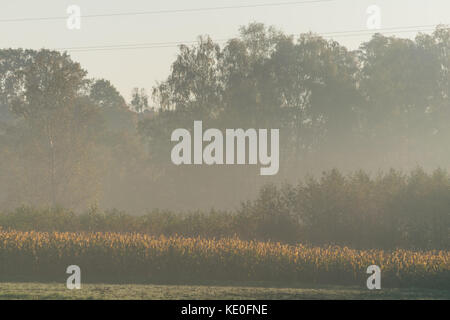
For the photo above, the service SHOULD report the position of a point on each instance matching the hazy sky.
(143, 67)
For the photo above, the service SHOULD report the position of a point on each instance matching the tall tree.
(56, 125)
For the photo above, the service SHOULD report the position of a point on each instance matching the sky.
(144, 67)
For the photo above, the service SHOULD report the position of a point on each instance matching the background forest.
(363, 142)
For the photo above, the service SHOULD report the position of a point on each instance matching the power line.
(164, 44)
(227, 39)
(357, 34)
(384, 29)
(135, 46)
(176, 44)
(334, 34)
(171, 11)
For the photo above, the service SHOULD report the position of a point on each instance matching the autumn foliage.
(130, 257)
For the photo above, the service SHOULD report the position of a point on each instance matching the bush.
(387, 211)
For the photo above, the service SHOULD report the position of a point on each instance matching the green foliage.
(72, 141)
(388, 211)
(384, 105)
(385, 102)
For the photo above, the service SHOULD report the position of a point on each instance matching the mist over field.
(343, 172)
(71, 141)
(225, 150)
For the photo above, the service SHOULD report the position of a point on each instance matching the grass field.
(173, 292)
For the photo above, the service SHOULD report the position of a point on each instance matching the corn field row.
(114, 257)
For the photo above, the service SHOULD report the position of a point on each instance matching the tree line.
(69, 140)
(390, 210)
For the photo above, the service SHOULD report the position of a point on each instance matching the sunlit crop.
(143, 258)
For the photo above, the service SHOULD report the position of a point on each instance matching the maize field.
(140, 258)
